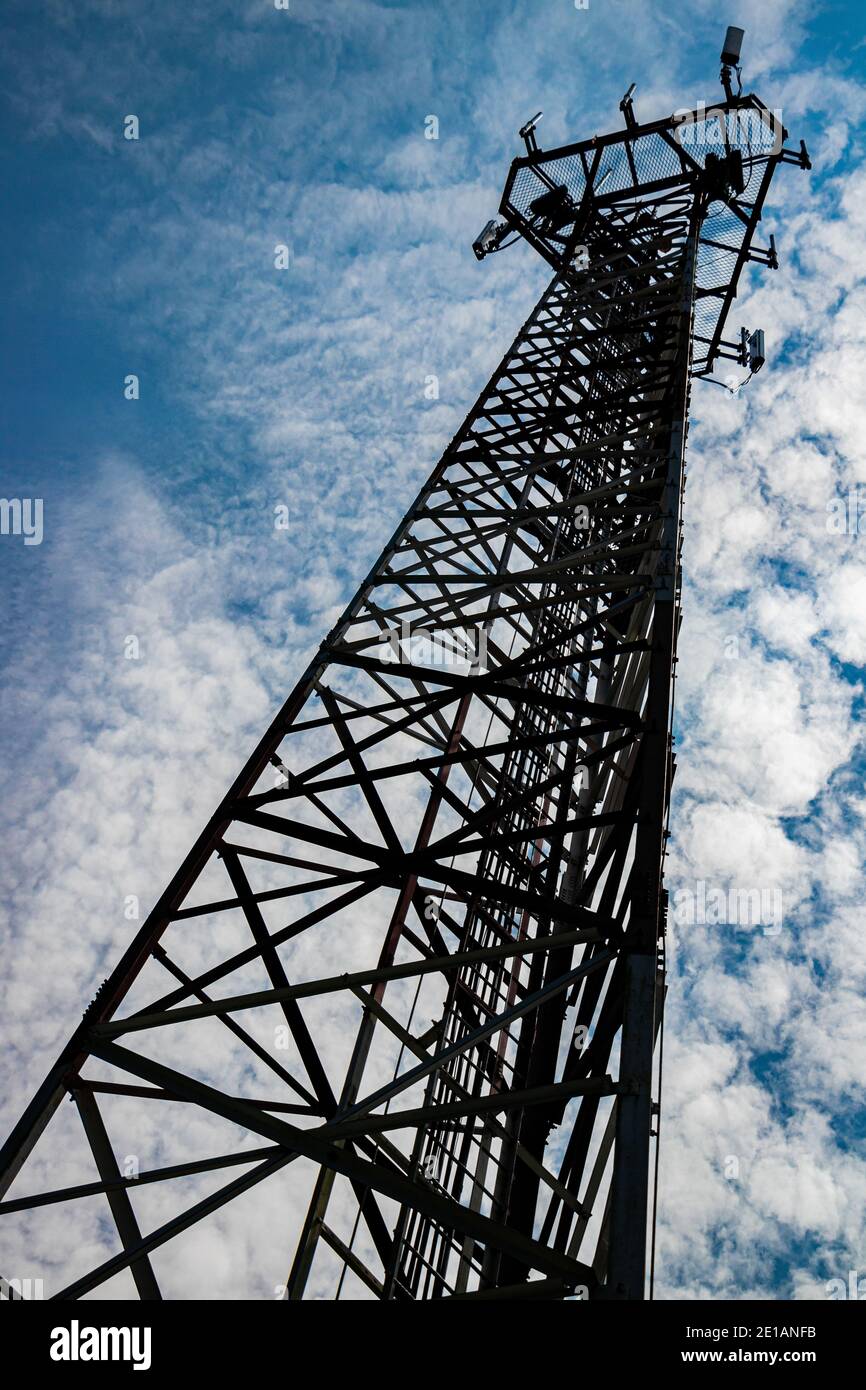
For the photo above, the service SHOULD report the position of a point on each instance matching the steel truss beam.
(431, 904)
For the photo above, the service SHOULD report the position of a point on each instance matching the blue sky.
(305, 387)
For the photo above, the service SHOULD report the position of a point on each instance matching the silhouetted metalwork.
(429, 915)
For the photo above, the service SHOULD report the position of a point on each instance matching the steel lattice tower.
(429, 915)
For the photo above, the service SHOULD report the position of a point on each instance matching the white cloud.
(308, 389)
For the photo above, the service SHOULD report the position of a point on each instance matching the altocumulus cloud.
(307, 389)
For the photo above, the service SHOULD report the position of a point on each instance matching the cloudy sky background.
(306, 388)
